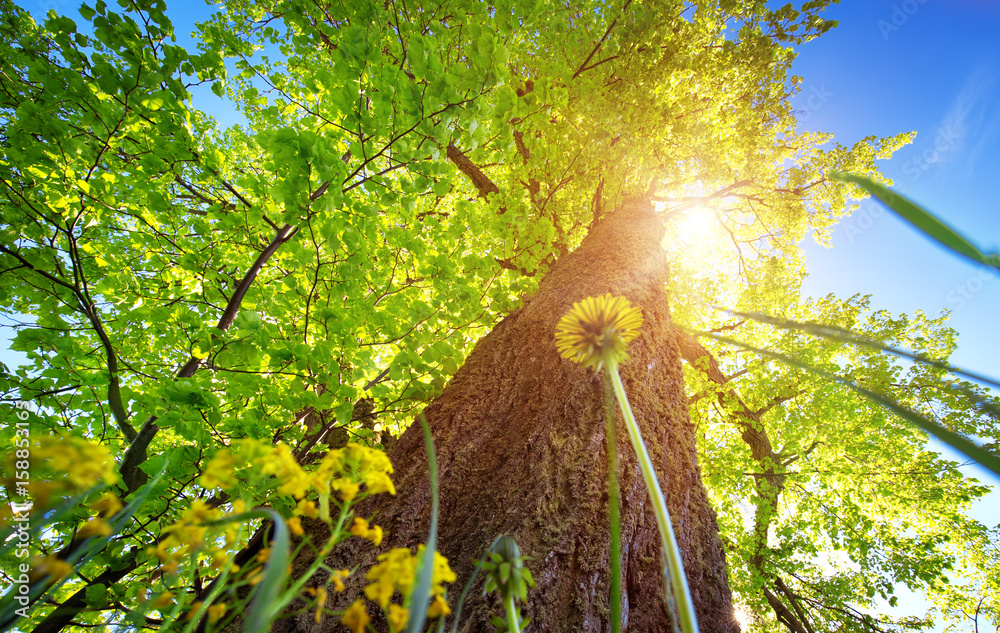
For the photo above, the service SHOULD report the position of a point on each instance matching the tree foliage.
(405, 175)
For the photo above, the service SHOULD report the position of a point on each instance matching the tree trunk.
(519, 433)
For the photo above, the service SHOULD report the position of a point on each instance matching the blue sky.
(933, 67)
(933, 70)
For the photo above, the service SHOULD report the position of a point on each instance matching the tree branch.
(136, 452)
(481, 181)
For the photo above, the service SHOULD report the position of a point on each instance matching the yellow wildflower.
(216, 611)
(159, 551)
(282, 464)
(255, 576)
(398, 616)
(438, 608)
(263, 555)
(367, 459)
(320, 603)
(356, 618)
(219, 560)
(193, 611)
(163, 600)
(220, 472)
(50, 566)
(396, 570)
(338, 576)
(378, 482)
(362, 529)
(107, 506)
(94, 527)
(348, 489)
(442, 573)
(295, 526)
(598, 329)
(79, 463)
(306, 508)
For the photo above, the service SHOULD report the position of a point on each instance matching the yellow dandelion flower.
(356, 618)
(438, 607)
(598, 329)
(94, 527)
(398, 617)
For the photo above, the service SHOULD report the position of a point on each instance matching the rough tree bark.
(519, 433)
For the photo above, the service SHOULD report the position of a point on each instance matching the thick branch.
(755, 436)
(136, 453)
(481, 181)
(77, 603)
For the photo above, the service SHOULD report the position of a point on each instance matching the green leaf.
(96, 596)
(923, 220)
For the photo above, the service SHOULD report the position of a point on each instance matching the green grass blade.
(843, 335)
(468, 585)
(265, 605)
(419, 598)
(923, 220)
(956, 441)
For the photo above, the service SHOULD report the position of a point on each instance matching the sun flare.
(696, 224)
(742, 618)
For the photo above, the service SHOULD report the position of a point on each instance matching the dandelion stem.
(682, 594)
(614, 503)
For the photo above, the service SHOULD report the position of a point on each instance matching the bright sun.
(742, 618)
(696, 224)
